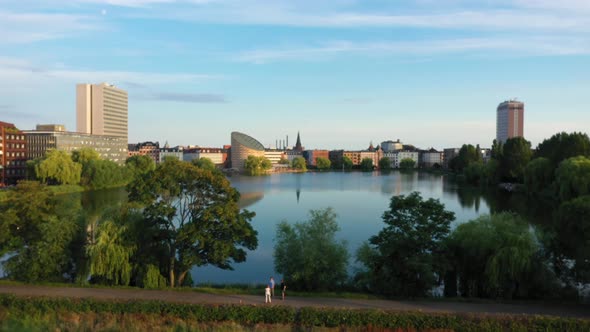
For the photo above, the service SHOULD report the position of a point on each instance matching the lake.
(358, 198)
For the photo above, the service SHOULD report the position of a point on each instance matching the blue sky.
(342, 72)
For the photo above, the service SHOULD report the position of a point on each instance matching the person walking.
(272, 286)
(283, 288)
(267, 298)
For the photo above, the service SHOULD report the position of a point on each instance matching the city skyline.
(343, 73)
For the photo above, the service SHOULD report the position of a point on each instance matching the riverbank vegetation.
(83, 170)
(499, 256)
(555, 178)
(178, 216)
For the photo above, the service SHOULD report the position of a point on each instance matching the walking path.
(571, 310)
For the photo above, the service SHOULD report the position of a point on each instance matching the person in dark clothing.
(283, 288)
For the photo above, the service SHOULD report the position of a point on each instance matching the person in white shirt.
(267, 298)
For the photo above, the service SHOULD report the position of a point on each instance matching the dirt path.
(579, 311)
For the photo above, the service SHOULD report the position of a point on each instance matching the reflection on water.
(358, 198)
(249, 198)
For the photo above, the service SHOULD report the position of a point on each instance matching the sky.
(343, 73)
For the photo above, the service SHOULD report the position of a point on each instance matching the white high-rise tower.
(101, 109)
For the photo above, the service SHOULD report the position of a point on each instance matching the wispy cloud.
(22, 27)
(19, 69)
(530, 46)
(190, 97)
(523, 15)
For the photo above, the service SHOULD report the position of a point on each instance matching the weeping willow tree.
(109, 255)
(494, 256)
(58, 168)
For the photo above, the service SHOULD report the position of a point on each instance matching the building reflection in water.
(247, 199)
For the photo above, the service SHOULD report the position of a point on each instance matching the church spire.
(298, 146)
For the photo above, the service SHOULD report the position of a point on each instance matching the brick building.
(13, 154)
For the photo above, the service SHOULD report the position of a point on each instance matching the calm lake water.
(358, 198)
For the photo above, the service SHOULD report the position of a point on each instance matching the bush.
(53, 313)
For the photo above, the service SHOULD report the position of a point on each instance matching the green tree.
(367, 165)
(493, 256)
(84, 155)
(299, 164)
(323, 163)
(573, 232)
(347, 163)
(58, 168)
(407, 164)
(516, 155)
(308, 254)
(467, 154)
(204, 163)
(491, 171)
(110, 255)
(562, 146)
(139, 165)
(385, 164)
(474, 173)
(36, 234)
(538, 175)
(101, 174)
(573, 178)
(284, 161)
(257, 165)
(405, 257)
(195, 218)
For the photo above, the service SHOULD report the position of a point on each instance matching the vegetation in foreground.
(92, 315)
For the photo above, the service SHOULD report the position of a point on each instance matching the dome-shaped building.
(243, 146)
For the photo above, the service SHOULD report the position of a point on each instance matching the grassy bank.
(19, 313)
(58, 190)
(217, 289)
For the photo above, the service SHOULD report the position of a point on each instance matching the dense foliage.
(36, 235)
(89, 315)
(308, 255)
(405, 257)
(407, 164)
(467, 154)
(385, 164)
(58, 168)
(562, 146)
(572, 239)
(367, 165)
(139, 165)
(323, 164)
(85, 167)
(494, 256)
(257, 165)
(347, 163)
(193, 217)
(299, 163)
(179, 216)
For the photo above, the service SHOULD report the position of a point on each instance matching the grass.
(215, 289)
(66, 189)
(257, 289)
